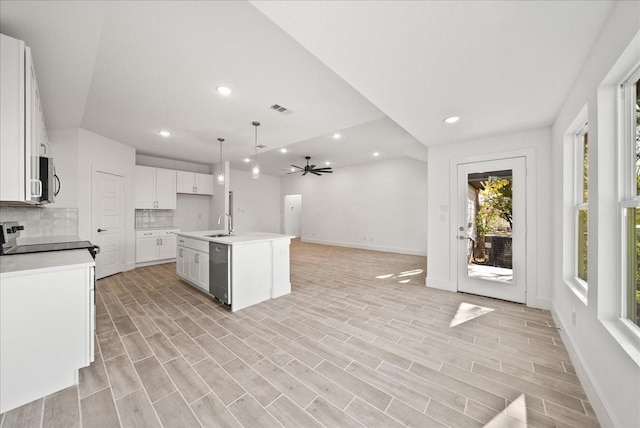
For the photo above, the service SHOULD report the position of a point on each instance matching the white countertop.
(138, 229)
(51, 261)
(235, 238)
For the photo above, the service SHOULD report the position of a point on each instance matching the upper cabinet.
(22, 131)
(155, 188)
(194, 183)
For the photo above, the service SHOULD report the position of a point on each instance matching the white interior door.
(107, 222)
(491, 229)
(292, 213)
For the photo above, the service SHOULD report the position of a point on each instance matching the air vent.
(278, 108)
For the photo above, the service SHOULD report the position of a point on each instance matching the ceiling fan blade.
(327, 172)
(326, 168)
(312, 166)
(305, 173)
(296, 166)
(316, 173)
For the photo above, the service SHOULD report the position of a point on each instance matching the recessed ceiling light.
(327, 163)
(376, 154)
(165, 133)
(337, 136)
(223, 90)
(283, 150)
(293, 169)
(452, 119)
(247, 160)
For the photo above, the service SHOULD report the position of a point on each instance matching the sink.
(219, 235)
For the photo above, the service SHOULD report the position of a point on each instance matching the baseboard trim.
(366, 247)
(599, 406)
(440, 284)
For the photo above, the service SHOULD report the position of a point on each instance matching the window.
(581, 202)
(576, 205)
(629, 159)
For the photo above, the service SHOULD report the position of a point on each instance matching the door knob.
(462, 238)
(102, 230)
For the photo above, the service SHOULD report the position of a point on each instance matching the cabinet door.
(204, 271)
(147, 249)
(32, 135)
(194, 265)
(145, 182)
(185, 182)
(166, 189)
(167, 248)
(182, 262)
(204, 184)
(12, 102)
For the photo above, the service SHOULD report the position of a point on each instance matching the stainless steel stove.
(10, 231)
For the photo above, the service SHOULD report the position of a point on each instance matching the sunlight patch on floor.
(467, 312)
(401, 275)
(514, 416)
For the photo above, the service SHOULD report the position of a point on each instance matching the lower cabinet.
(47, 324)
(192, 262)
(155, 245)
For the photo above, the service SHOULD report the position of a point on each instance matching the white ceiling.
(383, 74)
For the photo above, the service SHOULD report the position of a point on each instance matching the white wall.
(603, 355)
(443, 160)
(256, 202)
(193, 212)
(379, 205)
(78, 152)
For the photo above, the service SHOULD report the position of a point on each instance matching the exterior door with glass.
(491, 229)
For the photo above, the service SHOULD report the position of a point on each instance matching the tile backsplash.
(43, 221)
(154, 218)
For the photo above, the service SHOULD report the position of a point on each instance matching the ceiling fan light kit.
(311, 169)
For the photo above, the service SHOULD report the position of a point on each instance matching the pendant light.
(255, 171)
(221, 171)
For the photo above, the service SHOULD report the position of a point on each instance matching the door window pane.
(489, 227)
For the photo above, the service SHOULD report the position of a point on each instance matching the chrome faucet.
(230, 221)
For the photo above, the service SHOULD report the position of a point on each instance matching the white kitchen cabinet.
(193, 262)
(47, 323)
(155, 188)
(194, 183)
(22, 128)
(155, 245)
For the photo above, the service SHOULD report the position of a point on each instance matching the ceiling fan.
(311, 169)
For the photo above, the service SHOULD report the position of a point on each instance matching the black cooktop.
(57, 246)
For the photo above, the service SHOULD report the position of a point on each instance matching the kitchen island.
(240, 270)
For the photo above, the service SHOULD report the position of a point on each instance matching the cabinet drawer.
(171, 232)
(203, 246)
(184, 242)
(146, 233)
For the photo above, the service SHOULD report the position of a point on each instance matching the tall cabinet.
(22, 131)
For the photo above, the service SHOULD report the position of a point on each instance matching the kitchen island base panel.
(281, 274)
(250, 274)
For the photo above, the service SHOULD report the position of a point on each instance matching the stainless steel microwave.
(49, 179)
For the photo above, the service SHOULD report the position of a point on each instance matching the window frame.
(628, 196)
(572, 186)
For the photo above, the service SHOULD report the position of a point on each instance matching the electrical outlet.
(573, 317)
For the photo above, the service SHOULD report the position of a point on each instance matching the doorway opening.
(292, 215)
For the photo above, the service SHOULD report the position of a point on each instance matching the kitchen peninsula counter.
(257, 269)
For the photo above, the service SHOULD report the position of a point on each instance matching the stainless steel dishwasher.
(219, 272)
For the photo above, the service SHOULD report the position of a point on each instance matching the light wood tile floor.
(360, 341)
